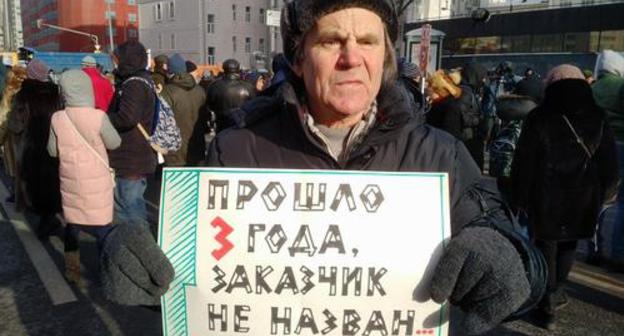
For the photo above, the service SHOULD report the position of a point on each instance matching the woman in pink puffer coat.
(80, 136)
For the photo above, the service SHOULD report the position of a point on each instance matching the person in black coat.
(341, 108)
(563, 170)
(227, 93)
(134, 103)
(36, 101)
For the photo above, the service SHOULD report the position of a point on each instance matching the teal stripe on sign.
(182, 190)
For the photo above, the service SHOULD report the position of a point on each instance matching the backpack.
(165, 133)
(502, 149)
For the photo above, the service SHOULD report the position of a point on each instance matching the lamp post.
(110, 26)
(93, 37)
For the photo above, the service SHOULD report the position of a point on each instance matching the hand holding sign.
(301, 252)
(477, 266)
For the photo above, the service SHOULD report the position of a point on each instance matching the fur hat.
(563, 71)
(37, 70)
(299, 16)
(135, 271)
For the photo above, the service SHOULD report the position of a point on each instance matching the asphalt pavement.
(35, 298)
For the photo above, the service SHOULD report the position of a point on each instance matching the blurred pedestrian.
(160, 73)
(38, 99)
(227, 93)
(18, 122)
(8, 139)
(589, 76)
(133, 104)
(102, 88)
(456, 110)
(609, 94)
(563, 170)
(79, 136)
(531, 86)
(186, 98)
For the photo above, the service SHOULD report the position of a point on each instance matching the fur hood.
(611, 62)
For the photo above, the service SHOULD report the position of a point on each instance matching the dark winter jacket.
(553, 177)
(134, 103)
(228, 93)
(186, 98)
(458, 116)
(160, 78)
(532, 87)
(37, 101)
(270, 134)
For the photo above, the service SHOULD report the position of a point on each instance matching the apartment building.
(11, 36)
(210, 31)
(98, 17)
(532, 32)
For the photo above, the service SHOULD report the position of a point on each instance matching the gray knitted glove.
(482, 273)
(135, 271)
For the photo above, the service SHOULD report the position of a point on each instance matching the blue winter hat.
(176, 64)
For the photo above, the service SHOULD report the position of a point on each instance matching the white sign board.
(290, 252)
(273, 18)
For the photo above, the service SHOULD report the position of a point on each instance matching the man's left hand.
(482, 273)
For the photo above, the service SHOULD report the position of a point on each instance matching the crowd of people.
(554, 145)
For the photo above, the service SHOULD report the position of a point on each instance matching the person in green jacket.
(186, 98)
(609, 94)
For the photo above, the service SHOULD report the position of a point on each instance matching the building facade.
(210, 31)
(11, 36)
(558, 31)
(96, 17)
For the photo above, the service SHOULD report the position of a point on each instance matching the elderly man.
(341, 108)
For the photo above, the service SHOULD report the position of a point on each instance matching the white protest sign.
(292, 252)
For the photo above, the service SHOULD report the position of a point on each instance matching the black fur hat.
(299, 16)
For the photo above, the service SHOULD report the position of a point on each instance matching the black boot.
(544, 315)
(48, 225)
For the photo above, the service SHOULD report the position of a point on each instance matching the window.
(234, 44)
(132, 18)
(487, 44)
(233, 12)
(247, 44)
(547, 43)
(576, 42)
(158, 12)
(131, 2)
(108, 31)
(110, 1)
(516, 44)
(261, 45)
(173, 41)
(171, 9)
(210, 24)
(612, 39)
(262, 16)
(110, 15)
(247, 14)
(211, 55)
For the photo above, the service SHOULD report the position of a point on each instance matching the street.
(35, 298)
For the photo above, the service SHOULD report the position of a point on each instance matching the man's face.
(342, 65)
